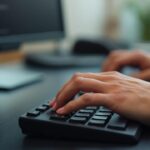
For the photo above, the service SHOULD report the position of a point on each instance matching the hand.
(119, 59)
(122, 94)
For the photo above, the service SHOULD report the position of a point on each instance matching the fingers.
(116, 64)
(76, 75)
(86, 82)
(89, 99)
(111, 60)
(97, 76)
(77, 85)
(144, 75)
(117, 60)
(52, 102)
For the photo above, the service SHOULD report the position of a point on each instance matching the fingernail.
(52, 102)
(61, 111)
(54, 106)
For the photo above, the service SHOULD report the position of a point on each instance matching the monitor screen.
(22, 20)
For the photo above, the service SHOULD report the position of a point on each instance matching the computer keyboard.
(91, 123)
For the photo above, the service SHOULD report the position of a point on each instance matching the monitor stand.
(9, 46)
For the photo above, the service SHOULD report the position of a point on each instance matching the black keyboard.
(90, 123)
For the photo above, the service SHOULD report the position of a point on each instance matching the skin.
(119, 59)
(127, 96)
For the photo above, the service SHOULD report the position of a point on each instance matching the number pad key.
(78, 120)
(58, 117)
(86, 115)
(104, 109)
(100, 118)
(103, 114)
(91, 108)
(117, 122)
(42, 108)
(33, 114)
(86, 111)
(98, 123)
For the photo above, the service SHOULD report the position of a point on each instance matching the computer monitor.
(26, 20)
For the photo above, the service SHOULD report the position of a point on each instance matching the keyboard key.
(99, 123)
(103, 114)
(78, 120)
(42, 108)
(82, 115)
(100, 118)
(104, 109)
(33, 114)
(58, 117)
(86, 111)
(91, 108)
(46, 105)
(117, 122)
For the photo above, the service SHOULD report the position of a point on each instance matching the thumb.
(144, 75)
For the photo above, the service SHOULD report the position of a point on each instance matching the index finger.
(88, 99)
(80, 84)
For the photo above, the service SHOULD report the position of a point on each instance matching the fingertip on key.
(61, 111)
(52, 102)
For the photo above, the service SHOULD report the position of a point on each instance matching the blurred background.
(126, 20)
(117, 20)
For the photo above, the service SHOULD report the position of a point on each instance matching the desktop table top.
(15, 103)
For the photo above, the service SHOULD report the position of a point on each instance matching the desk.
(15, 103)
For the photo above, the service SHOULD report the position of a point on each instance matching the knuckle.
(87, 98)
(116, 102)
(138, 52)
(78, 81)
(117, 61)
(115, 53)
(119, 97)
(115, 85)
(70, 107)
(76, 75)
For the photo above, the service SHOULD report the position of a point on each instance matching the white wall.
(84, 18)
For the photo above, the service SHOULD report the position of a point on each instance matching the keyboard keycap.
(58, 117)
(82, 115)
(33, 114)
(103, 114)
(46, 105)
(117, 122)
(86, 111)
(100, 118)
(42, 108)
(99, 123)
(78, 120)
(104, 109)
(91, 108)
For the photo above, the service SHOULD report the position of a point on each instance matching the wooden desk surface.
(36, 47)
(11, 56)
